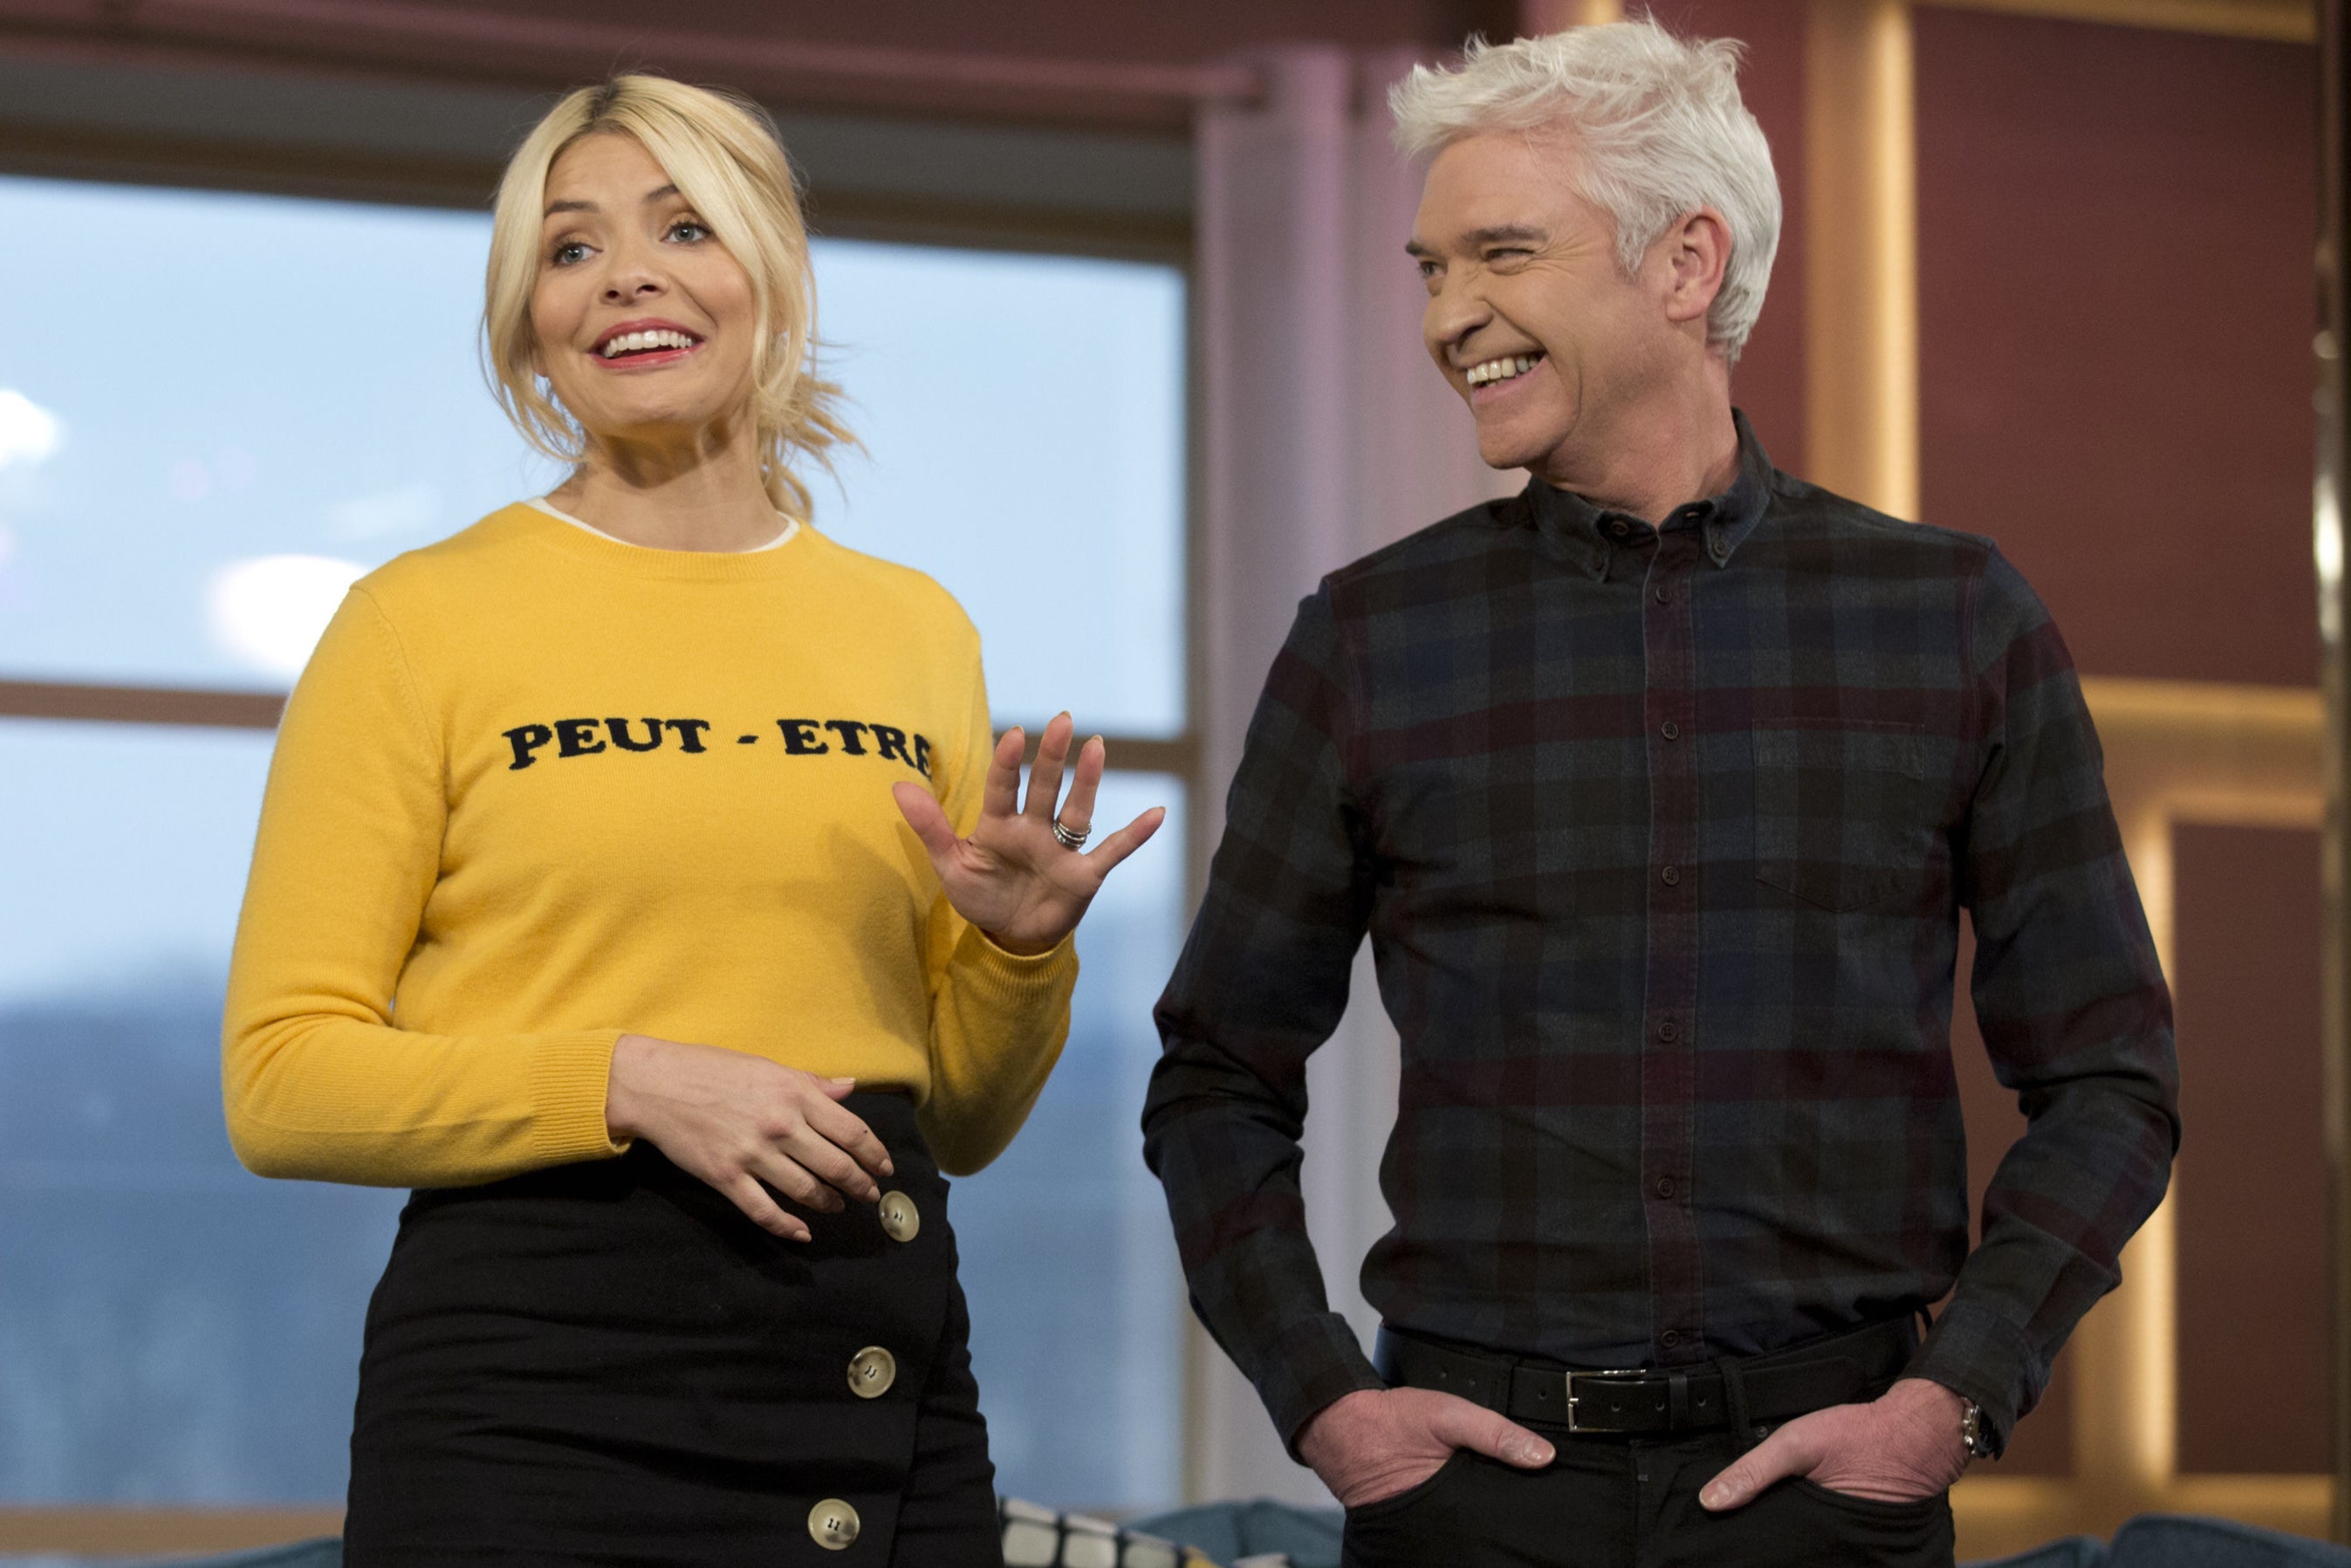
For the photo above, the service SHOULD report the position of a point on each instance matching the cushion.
(2188, 1540)
(327, 1553)
(2074, 1552)
(1227, 1531)
(1037, 1537)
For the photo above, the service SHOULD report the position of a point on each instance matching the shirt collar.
(1590, 535)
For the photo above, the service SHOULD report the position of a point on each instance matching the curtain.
(1325, 433)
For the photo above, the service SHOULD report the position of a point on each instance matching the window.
(242, 402)
(172, 1329)
(229, 406)
(233, 405)
(1024, 422)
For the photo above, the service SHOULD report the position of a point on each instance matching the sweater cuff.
(570, 1075)
(1980, 1355)
(1314, 1364)
(1015, 981)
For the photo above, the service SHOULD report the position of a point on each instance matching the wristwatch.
(1971, 1429)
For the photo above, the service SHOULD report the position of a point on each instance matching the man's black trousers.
(1632, 1503)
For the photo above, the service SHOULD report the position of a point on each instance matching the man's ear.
(1697, 253)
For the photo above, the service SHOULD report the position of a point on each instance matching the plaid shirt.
(1661, 836)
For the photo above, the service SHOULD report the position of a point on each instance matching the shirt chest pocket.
(1841, 816)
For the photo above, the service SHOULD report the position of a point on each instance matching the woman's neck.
(710, 500)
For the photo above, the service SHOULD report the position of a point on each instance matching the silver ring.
(1071, 839)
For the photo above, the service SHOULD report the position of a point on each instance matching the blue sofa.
(1225, 1531)
(1229, 1531)
(327, 1553)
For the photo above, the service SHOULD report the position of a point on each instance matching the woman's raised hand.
(743, 1125)
(1012, 878)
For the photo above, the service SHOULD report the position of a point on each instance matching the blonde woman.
(638, 881)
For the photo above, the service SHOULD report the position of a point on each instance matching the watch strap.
(1971, 1429)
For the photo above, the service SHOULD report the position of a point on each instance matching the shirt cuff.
(1314, 1364)
(571, 1077)
(1978, 1355)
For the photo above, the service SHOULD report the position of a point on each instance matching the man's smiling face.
(1529, 318)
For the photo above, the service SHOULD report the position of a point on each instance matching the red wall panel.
(2115, 233)
(2252, 1180)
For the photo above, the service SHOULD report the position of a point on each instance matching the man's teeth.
(638, 342)
(1501, 370)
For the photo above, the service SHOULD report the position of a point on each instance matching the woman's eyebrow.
(569, 207)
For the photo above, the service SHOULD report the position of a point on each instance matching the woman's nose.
(632, 275)
(631, 285)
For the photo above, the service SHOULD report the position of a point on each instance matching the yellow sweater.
(538, 787)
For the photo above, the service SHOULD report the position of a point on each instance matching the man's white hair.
(1660, 125)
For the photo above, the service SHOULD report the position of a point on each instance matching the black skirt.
(607, 1363)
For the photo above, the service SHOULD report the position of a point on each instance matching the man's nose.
(1454, 312)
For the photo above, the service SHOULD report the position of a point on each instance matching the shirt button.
(1619, 528)
(1665, 1186)
(1671, 1338)
(1672, 876)
(833, 1524)
(872, 1371)
(1720, 549)
(900, 1219)
(1664, 594)
(1666, 1030)
(1670, 730)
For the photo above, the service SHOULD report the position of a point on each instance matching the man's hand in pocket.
(1377, 1442)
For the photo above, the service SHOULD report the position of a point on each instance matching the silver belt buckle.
(1573, 1425)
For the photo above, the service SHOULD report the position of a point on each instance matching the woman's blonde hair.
(722, 154)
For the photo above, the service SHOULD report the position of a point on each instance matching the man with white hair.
(1659, 789)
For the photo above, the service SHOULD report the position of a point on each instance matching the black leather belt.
(1842, 1369)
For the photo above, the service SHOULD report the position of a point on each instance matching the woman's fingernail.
(844, 1081)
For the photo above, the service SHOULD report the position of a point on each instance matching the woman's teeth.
(1502, 370)
(641, 343)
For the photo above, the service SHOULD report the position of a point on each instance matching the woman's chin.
(655, 426)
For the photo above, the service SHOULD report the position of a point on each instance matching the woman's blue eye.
(691, 229)
(566, 253)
